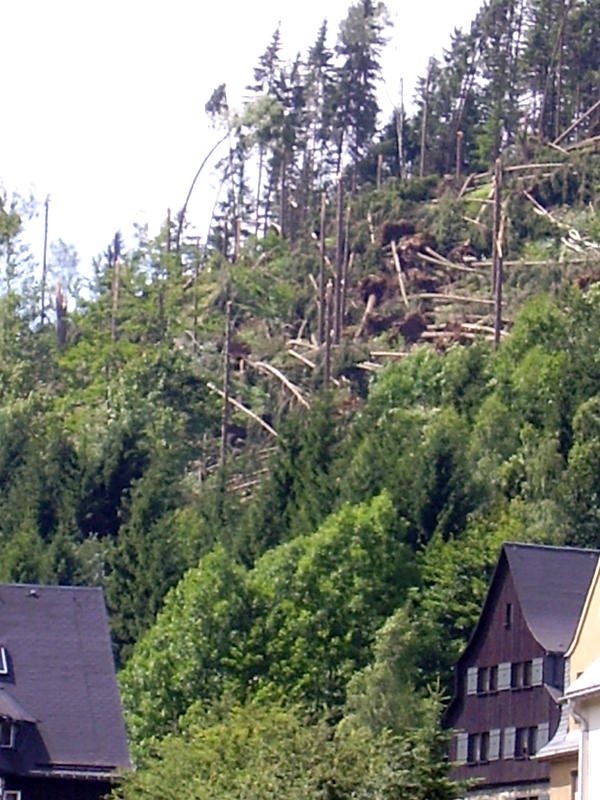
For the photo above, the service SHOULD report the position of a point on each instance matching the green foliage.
(194, 652)
(299, 491)
(262, 751)
(320, 598)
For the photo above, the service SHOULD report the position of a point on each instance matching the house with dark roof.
(62, 735)
(511, 675)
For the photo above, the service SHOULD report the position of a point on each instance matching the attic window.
(508, 615)
(3, 661)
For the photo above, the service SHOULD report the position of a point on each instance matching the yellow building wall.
(586, 645)
(584, 649)
(561, 778)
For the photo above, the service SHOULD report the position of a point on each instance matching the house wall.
(593, 744)
(586, 647)
(497, 643)
(561, 780)
(58, 788)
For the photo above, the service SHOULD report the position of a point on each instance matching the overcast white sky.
(103, 102)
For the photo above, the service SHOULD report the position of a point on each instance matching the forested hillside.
(290, 452)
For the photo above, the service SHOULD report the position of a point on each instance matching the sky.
(103, 102)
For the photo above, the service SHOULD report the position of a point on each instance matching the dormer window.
(7, 733)
(3, 661)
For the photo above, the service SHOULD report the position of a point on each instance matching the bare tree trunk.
(497, 252)
(44, 263)
(116, 280)
(283, 204)
(226, 376)
(195, 318)
(327, 359)
(61, 317)
(399, 118)
(346, 261)
(460, 141)
(424, 124)
(321, 310)
(237, 239)
(258, 190)
(379, 170)
(555, 54)
(339, 259)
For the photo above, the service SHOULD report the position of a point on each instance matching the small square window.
(11, 794)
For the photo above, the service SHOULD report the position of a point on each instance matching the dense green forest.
(290, 453)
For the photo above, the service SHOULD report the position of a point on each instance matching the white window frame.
(11, 742)
(3, 661)
(11, 794)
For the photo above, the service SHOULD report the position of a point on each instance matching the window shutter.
(462, 741)
(494, 753)
(472, 680)
(504, 675)
(537, 671)
(508, 749)
(543, 734)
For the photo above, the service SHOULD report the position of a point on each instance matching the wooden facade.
(511, 674)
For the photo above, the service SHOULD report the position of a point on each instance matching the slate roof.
(552, 584)
(61, 683)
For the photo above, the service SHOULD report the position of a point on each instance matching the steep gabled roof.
(60, 683)
(552, 584)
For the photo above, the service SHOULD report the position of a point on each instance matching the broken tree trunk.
(371, 303)
(399, 272)
(241, 407)
(264, 367)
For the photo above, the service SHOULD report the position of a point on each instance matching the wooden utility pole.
(497, 252)
(226, 381)
(44, 263)
(339, 261)
(321, 303)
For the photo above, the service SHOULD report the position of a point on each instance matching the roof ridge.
(541, 546)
